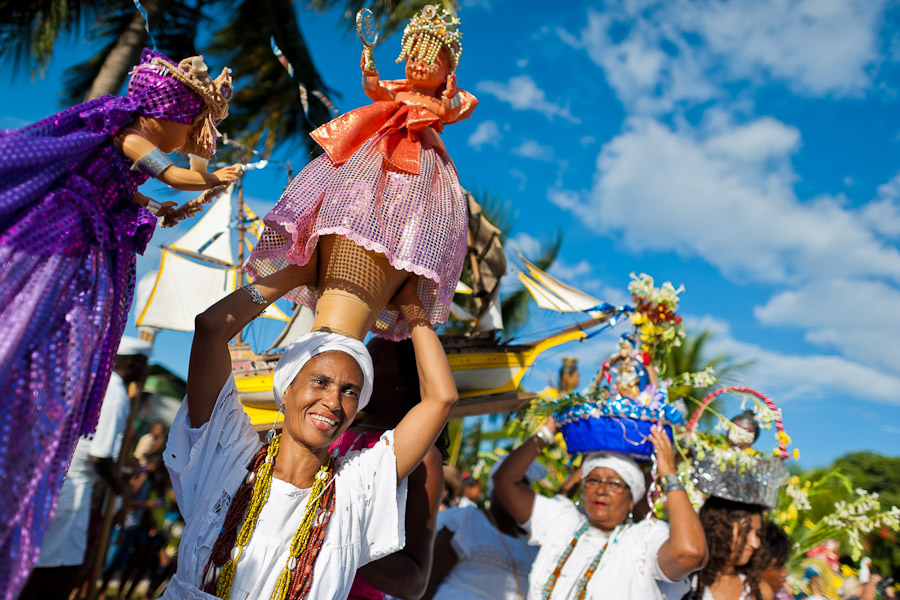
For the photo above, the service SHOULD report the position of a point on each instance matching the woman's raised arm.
(210, 364)
(510, 484)
(685, 551)
(422, 425)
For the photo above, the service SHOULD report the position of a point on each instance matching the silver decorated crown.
(756, 485)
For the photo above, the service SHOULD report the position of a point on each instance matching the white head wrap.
(626, 468)
(132, 346)
(312, 344)
(535, 472)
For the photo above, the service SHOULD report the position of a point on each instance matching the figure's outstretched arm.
(139, 149)
(210, 364)
(372, 84)
(450, 104)
(422, 425)
(160, 209)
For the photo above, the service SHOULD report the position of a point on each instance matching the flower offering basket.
(614, 426)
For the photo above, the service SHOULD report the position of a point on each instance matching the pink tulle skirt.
(418, 222)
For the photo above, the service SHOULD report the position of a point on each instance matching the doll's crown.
(428, 32)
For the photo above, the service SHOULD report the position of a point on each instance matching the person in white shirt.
(601, 554)
(284, 519)
(482, 555)
(65, 541)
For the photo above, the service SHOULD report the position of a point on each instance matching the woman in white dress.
(285, 520)
(482, 555)
(601, 554)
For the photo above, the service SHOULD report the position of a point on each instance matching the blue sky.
(750, 151)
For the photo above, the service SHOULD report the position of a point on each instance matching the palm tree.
(266, 107)
(692, 357)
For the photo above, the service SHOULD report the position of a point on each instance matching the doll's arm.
(372, 84)
(450, 104)
(152, 161)
(160, 209)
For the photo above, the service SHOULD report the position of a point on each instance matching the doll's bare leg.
(355, 285)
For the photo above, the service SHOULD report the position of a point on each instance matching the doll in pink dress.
(384, 202)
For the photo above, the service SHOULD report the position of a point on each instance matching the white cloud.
(525, 243)
(522, 93)
(793, 377)
(487, 132)
(534, 150)
(860, 318)
(883, 213)
(521, 177)
(659, 53)
(727, 196)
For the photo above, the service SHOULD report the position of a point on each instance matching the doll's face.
(423, 75)
(165, 135)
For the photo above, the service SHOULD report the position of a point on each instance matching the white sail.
(184, 288)
(544, 297)
(210, 237)
(300, 323)
(568, 298)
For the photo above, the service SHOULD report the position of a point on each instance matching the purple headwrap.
(161, 96)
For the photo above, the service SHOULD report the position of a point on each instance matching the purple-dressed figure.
(71, 222)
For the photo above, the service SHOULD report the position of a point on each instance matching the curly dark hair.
(774, 547)
(718, 517)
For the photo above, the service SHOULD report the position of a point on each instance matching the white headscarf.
(626, 468)
(312, 344)
(536, 471)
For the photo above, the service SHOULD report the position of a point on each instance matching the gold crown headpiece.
(193, 73)
(428, 32)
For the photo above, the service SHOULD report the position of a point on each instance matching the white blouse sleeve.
(551, 517)
(200, 459)
(371, 477)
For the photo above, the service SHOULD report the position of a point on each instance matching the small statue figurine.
(569, 379)
(384, 202)
(71, 222)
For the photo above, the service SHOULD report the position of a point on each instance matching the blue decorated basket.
(617, 427)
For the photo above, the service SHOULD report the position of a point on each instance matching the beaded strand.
(246, 507)
(581, 586)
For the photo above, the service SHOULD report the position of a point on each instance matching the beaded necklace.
(581, 586)
(293, 583)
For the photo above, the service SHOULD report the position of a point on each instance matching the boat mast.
(242, 228)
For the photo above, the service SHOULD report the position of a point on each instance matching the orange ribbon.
(397, 127)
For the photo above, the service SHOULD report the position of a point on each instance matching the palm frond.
(29, 30)
(515, 306)
(266, 109)
(390, 14)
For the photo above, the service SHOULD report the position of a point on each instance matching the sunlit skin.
(319, 406)
(743, 555)
(607, 504)
(775, 576)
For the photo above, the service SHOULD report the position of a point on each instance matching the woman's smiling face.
(321, 402)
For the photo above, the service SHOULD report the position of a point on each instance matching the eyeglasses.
(615, 486)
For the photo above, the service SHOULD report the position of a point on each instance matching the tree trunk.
(125, 53)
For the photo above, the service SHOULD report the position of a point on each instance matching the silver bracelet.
(153, 206)
(454, 102)
(671, 483)
(254, 294)
(153, 163)
(365, 81)
(545, 435)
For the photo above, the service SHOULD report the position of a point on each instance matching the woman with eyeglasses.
(602, 553)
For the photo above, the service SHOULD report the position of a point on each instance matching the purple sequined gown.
(69, 232)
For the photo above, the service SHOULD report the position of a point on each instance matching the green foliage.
(827, 503)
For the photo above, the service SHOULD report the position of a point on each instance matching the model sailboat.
(200, 268)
